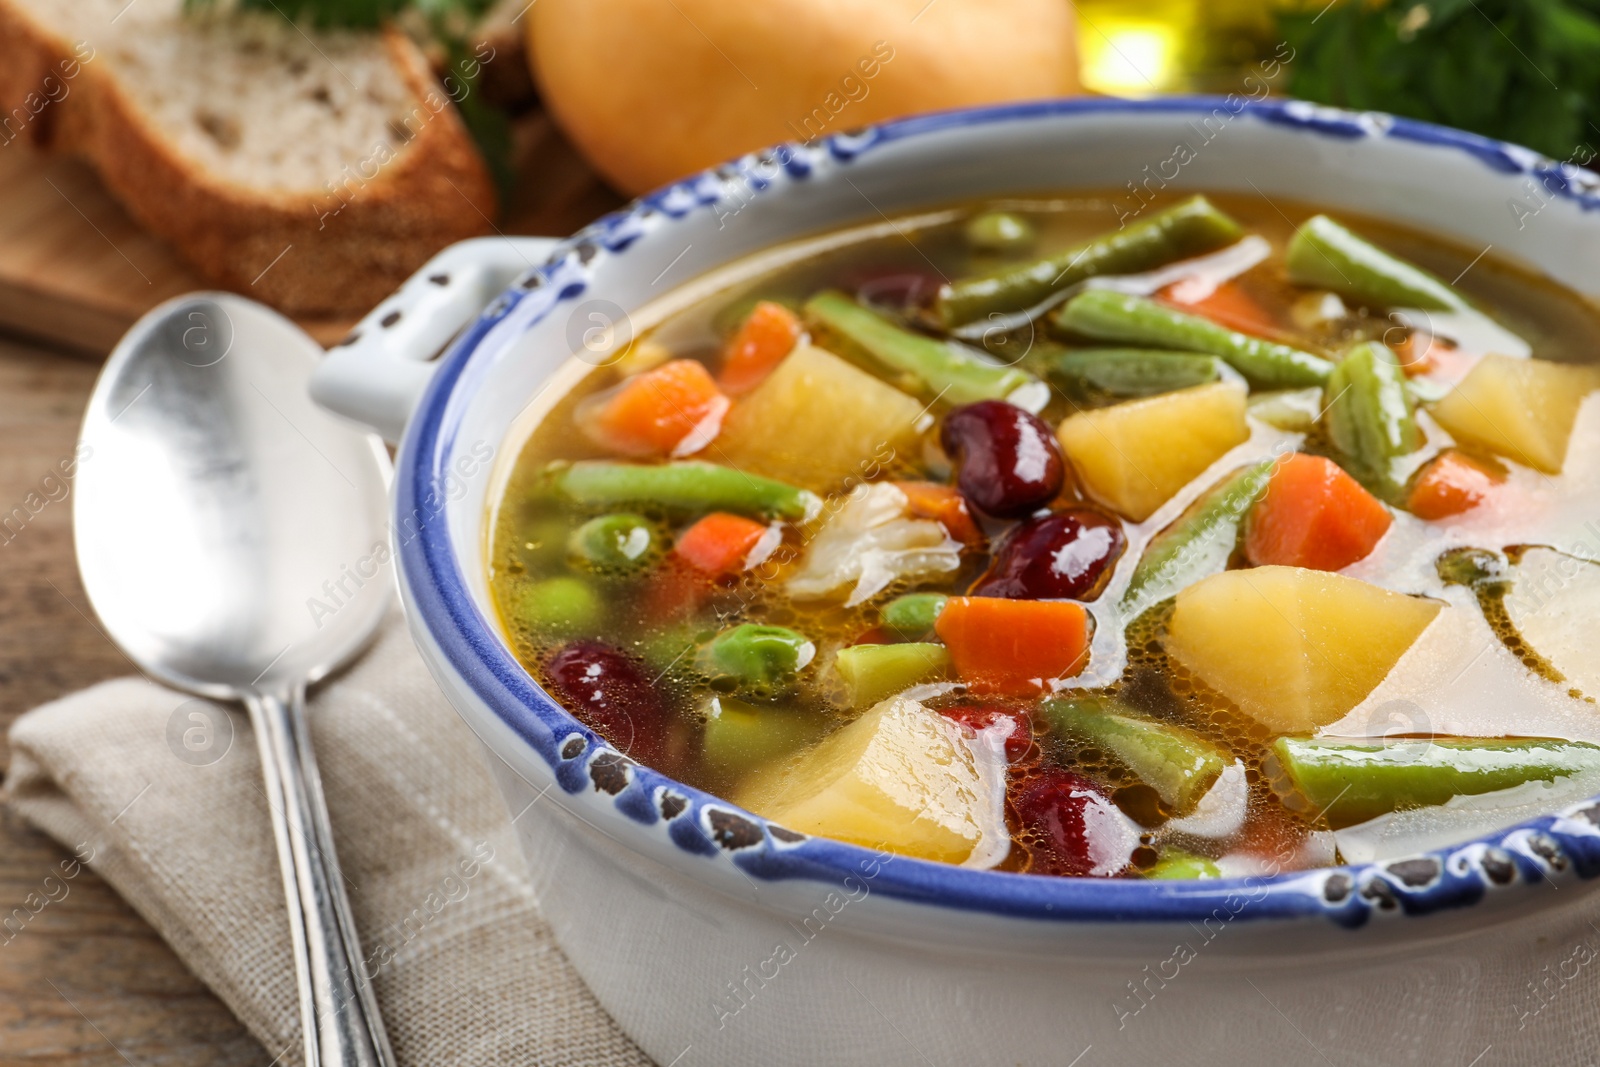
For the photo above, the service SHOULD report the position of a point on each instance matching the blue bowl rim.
(703, 825)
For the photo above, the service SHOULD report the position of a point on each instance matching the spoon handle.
(338, 1011)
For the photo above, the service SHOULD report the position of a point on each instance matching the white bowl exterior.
(663, 938)
(795, 974)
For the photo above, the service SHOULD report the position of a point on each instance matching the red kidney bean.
(898, 289)
(1066, 555)
(1010, 464)
(610, 692)
(1074, 827)
(877, 635)
(1019, 736)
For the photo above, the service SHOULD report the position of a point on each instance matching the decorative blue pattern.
(704, 826)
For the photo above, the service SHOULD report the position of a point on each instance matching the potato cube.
(1134, 456)
(1522, 409)
(900, 777)
(817, 421)
(1295, 649)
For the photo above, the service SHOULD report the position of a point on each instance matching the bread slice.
(312, 170)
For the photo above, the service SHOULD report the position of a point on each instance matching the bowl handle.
(376, 375)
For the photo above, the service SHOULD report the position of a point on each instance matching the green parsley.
(360, 14)
(1526, 71)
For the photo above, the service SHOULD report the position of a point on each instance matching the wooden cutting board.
(75, 270)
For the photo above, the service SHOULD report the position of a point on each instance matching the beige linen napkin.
(145, 782)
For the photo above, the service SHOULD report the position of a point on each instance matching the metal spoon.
(231, 538)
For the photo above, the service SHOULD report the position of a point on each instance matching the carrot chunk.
(1313, 515)
(673, 410)
(1423, 354)
(876, 635)
(767, 335)
(1418, 352)
(1450, 483)
(1014, 647)
(944, 505)
(1226, 305)
(720, 543)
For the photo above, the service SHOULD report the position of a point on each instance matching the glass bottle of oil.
(1148, 47)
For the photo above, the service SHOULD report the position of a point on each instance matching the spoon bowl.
(231, 537)
(230, 532)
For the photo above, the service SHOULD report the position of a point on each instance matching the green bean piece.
(1181, 231)
(1351, 782)
(754, 658)
(1000, 231)
(1094, 374)
(912, 615)
(875, 672)
(560, 608)
(1290, 410)
(1198, 544)
(615, 544)
(1370, 417)
(1323, 253)
(1177, 763)
(949, 370)
(1107, 315)
(688, 486)
(740, 736)
(1175, 863)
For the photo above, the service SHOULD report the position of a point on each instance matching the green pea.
(672, 649)
(560, 607)
(760, 659)
(1000, 231)
(1176, 863)
(542, 545)
(741, 736)
(615, 543)
(912, 616)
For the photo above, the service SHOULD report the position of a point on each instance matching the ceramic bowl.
(715, 938)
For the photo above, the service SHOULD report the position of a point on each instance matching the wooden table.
(89, 982)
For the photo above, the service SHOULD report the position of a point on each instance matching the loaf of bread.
(311, 169)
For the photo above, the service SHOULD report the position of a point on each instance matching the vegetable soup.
(1232, 538)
